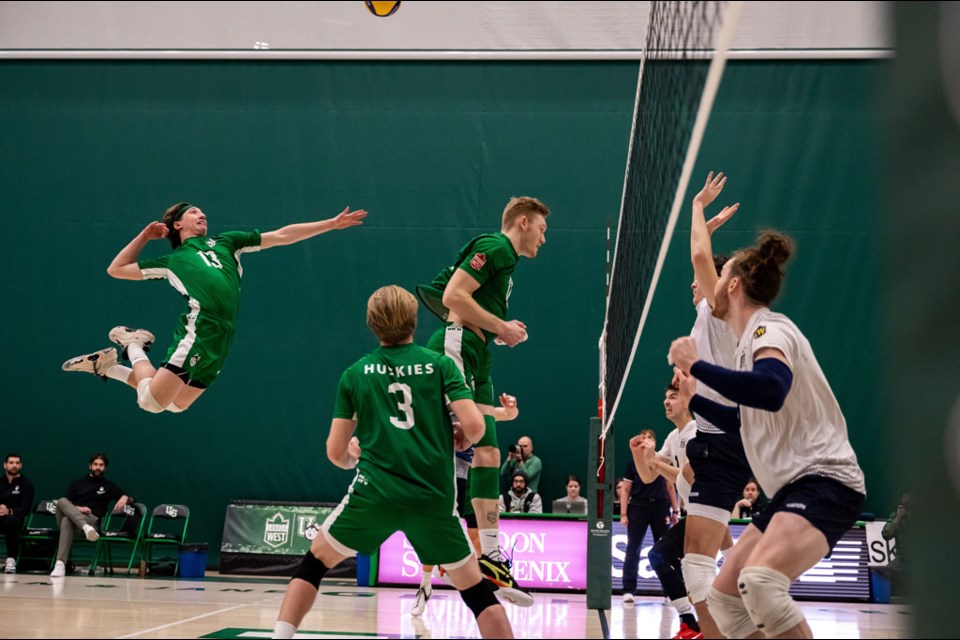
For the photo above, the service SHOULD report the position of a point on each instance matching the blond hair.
(392, 314)
(522, 206)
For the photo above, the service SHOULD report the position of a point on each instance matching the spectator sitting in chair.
(520, 499)
(573, 493)
(16, 500)
(83, 507)
(751, 503)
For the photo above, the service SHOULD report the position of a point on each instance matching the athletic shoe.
(420, 602)
(686, 633)
(91, 533)
(628, 599)
(125, 336)
(59, 570)
(97, 363)
(11, 566)
(498, 572)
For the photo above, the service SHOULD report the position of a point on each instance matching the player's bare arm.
(338, 443)
(458, 298)
(124, 265)
(701, 248)
(293, 233)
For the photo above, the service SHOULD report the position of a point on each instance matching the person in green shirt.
(206, 271)
(396, 401)
(520, 458)
(470, 297)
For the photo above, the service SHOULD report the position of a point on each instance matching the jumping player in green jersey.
(206, 271)
(396, 400)
(471, 297)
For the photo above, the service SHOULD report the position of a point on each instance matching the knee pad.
(485, 483)
(145, 399)
(730, 614)
(765, 593)
(173, 408)
(658, 561)
(699, 572)
(479, 597)
(311, 570)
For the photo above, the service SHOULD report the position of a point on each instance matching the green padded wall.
(91, 151)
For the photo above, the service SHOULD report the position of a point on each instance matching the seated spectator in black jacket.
(752, 502)
(520, 499)
(16, 500)
(84, 506)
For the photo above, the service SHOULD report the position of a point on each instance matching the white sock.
(425, 581)
(136, 354)
(283, 630)
(490, 543)
(119, 373)
(682, 605)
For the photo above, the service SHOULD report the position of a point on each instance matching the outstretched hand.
(718, 220)
(155, 231)
(711, 189)
(347, 218)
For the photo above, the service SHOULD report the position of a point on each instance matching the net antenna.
(674, 97)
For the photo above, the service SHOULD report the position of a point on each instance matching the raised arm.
(124, 265)
(296, 232)
(701, 247)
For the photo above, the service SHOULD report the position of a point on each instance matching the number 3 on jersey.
(210, 258)
(404, 398)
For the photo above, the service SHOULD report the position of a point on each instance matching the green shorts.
(472, 357)
(359, 525)
(200, 345)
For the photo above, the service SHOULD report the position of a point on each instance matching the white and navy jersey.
(808, 435)
(674, 446)
(675, 450)
(716, 344)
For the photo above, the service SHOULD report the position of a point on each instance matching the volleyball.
(382, 9)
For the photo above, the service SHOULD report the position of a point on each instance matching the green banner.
(276, 528)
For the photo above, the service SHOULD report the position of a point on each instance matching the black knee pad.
(311, 570)
(479, 597)
(471, 519)
(658, 562)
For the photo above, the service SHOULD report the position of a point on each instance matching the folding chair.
(40, 535)
(168, 527)
(126, 530)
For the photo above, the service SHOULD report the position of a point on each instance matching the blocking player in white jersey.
(717, 469)
(795, 438)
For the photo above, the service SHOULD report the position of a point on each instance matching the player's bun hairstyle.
(168, 219)
(760, 267)
(392, 314)
(523, 206)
